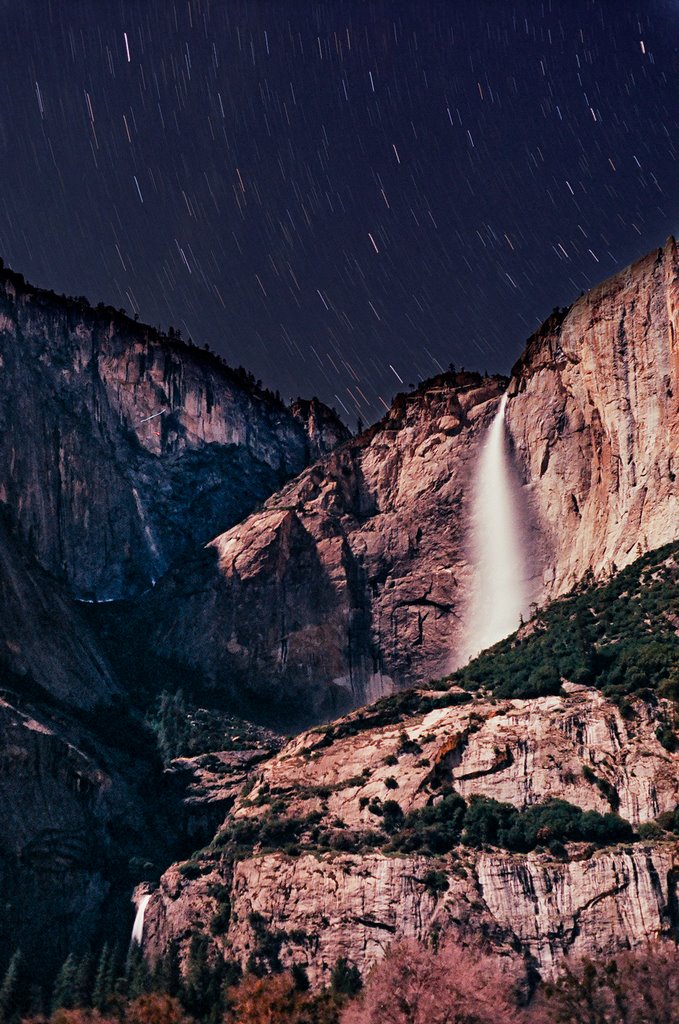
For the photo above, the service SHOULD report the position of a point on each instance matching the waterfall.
(138, 926)
(498, 597)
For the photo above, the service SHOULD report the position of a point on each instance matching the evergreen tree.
(64, 993)
(167, 977)
(300, 977)
(198, 981)
(100, 992)
(84, 981)
(115, 976)
(171, 725)
(14, 991)
(136, 972)
(345, 979)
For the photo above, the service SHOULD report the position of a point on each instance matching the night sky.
(347, 196)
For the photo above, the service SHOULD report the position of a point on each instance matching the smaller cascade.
(138, 926)
(498, 591)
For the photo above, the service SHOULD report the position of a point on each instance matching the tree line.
(440, 982)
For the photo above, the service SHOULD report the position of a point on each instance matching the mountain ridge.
(121, 447)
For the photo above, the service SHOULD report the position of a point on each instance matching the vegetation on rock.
(620, 636)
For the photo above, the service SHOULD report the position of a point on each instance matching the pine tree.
(197, 984)
(345, 979)
(115, 975)
(300, 977)
(167, 976)
(13, 991)
(136, 972)
(64, 993)
(84, 981)
(171, 725)
(100, 992)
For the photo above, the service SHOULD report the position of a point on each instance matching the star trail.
(343, 197)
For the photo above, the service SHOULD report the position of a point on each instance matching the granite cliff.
(346, 582)
(356, 906)
(47, 650)
(594, 415)
(354, 579)
(128, 458)
(119, 450)
(120, 447)
(331, 901)
(442, 809)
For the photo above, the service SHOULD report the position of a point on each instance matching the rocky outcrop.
(120, 448)
(322, 426)
(354, 580)
(331, 785)
(578, 747)
(320, 909)
(209, 784)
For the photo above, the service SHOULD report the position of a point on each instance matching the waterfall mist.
(498, 591)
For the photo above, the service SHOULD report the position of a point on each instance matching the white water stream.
(138, 926)
(498, 594)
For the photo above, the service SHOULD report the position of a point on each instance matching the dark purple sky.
(344, 195)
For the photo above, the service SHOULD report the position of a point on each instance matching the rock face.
(72, 816)
(46, 647)
(210, 783)
(71, 809)
(120, 448)
(321, 905)
(323, 428)
(578, 747)
(355, 907)
(594, 414)
(354, 580)
(349, 582)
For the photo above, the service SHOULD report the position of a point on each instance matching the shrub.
(392, 815)
(650, 831)
(669, 820)
(190, 869)
(219, 924)
(604, 786)
(345, 979)
(416, 985)
(637, 986)
(488, 822)
(432, 829)
(435, 882)
(408, 746)
(667, 737)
